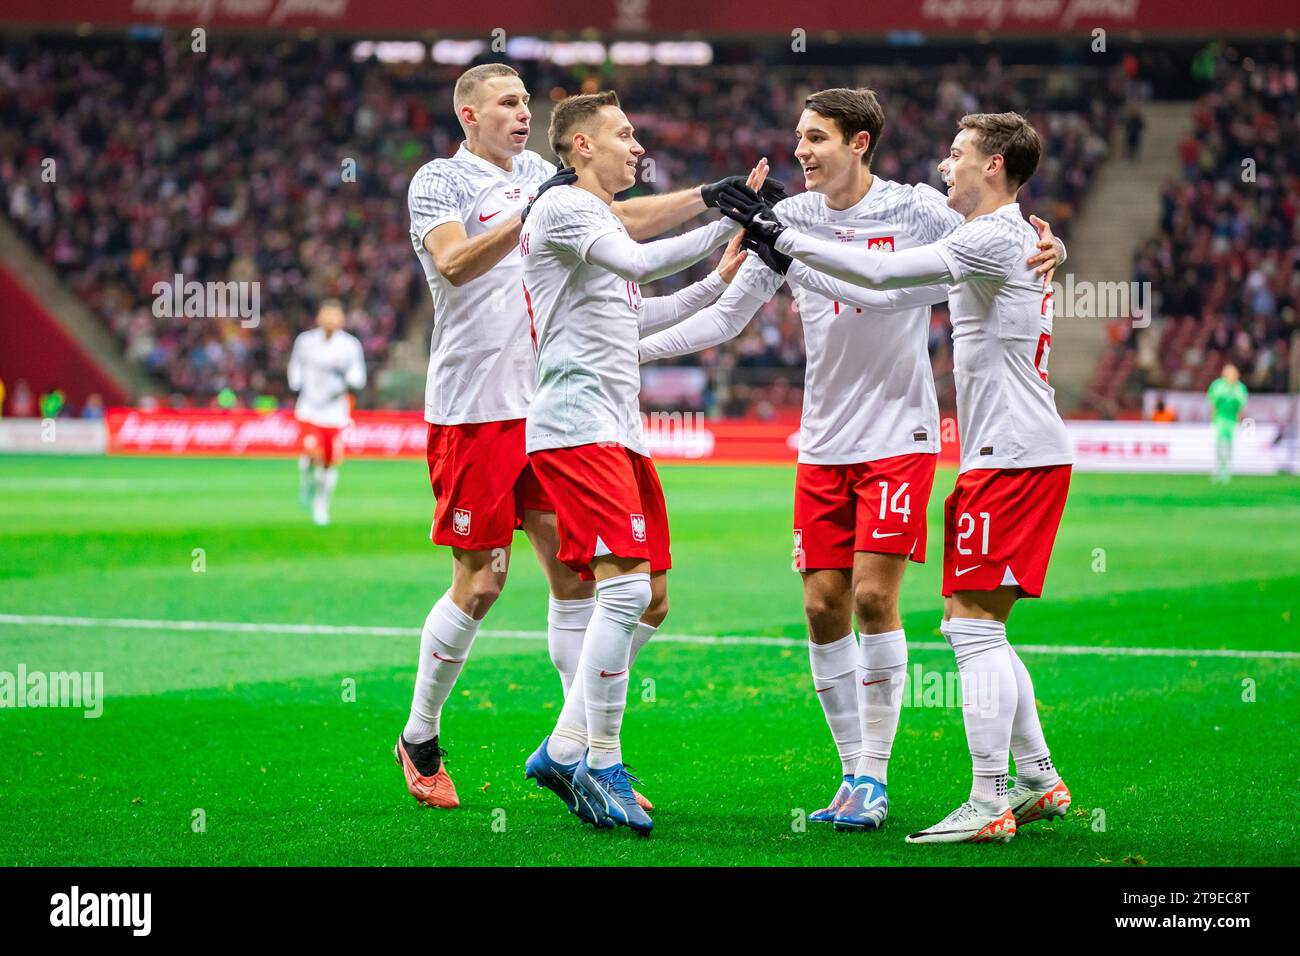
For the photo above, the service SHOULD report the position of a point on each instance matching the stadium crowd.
(1225, 264)
(288, 163)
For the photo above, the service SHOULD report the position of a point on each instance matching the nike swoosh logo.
(615, 674)
(868, 683)
(821, 690)
(448, 660)
(958, 572)
(875, 533)
(483, 218)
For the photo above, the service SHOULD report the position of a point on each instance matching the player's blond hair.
(573, 113)
(471, 81)
(1010, 136)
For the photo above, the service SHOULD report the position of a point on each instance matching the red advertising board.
(675, 437)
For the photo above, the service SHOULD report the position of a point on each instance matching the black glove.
(711, 192)
(772, 191)
(778, 262)
(564, 177)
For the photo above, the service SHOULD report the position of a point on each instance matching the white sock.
(1028, 746)
(988, 690)
(834, 673)
(566, 623)
(444, 645)
(640, 636)
(882, 666)
(606, 649)
(568, 742)
(326, 479)
(304, 471)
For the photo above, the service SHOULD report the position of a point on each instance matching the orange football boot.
(435, 791)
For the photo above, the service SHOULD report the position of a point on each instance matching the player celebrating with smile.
(466, 213)
(869, 433)
(1002, 517)
(585, 443)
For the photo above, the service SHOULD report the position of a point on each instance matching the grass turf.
(1167, 760)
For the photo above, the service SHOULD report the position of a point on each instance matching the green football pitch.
(1164, 657)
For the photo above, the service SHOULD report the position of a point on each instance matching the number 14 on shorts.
(892, 503)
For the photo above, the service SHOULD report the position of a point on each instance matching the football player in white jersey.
(869, 432)
(325, 365)
(1001, 520)
(465, 214)
(585, 443)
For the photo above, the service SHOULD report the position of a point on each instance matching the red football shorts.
(482, 482)
(327, 442)
(608, 500)
(876, 506)
(999, 525)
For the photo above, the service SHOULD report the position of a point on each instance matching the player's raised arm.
(855, 295)
(648, 216)
(659, 312)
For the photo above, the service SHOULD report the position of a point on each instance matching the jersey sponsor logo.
(958, 572)
(881, 243)
(483, 218)
(638, 527)
(460, 521)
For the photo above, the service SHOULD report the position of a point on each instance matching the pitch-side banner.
(402, 18)
(1157, 447)
(671, 436)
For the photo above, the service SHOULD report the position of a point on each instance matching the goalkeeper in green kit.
(1227, 396)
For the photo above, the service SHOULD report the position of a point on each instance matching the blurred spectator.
(23, 403)
(94, 407)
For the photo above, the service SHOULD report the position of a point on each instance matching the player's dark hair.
(1010, 136)
(854, 111)
(570, 113)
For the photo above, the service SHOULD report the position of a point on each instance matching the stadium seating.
(1223, 264)
(229, 166)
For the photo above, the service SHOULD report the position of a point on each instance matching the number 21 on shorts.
(966, 524)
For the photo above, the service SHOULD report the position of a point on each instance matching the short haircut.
(1010, 136)
(467, 87)
(571, 113)
(330, 303)
(855, 111)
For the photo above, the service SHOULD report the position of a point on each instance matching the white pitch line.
(752, 640)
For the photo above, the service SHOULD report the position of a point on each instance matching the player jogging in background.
(869, 432)
(466, 212)
(325, 365)
(1001, 520)
(1227, 398)
(585, 442)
